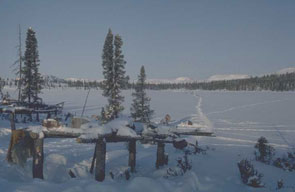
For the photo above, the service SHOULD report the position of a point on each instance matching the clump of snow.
(120, 126)
(127, 132)
(37, 129)
(4, 131)
(55, 168)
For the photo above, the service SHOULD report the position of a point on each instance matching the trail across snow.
(200, 118)
(246, 106)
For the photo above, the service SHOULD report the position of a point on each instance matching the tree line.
(273, 82)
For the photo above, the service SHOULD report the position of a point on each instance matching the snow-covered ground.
(238, 119)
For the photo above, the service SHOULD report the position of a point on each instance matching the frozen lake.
(238, 119)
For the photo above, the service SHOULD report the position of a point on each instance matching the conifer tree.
(2, 83)
(114, 74)
(31, 78)
(140, 109)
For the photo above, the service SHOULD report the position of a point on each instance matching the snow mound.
(4, 131)
(227, 77)
(55, 168)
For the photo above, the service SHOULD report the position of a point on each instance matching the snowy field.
(238, 119)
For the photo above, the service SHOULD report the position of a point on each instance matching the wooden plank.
(132, 155)
(38, 157)
(194, 133)
(100, 159)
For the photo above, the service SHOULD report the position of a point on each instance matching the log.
(109, 137)
(160, 155)
(59, 134)
(100, 159)
(132, 155)
(38, 157)
(194, 132)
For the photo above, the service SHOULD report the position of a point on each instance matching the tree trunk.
(132, 155)
(160, 155)
(38, 157)
(100, 159)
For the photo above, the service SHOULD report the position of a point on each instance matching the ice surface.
(238, 119)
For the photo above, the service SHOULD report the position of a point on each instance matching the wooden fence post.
(37, 117)
(93, 159)
(100, 159)
(38, 157)
(12, 126)
(12, 121)
(160, 155)
(132, 155)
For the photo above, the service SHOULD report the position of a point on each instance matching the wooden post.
(160, 155)
(38, 157)
(37, 117)
(132, 155)
(93, 159)
(12, 125)
(100, 159)
(9, 155)
(12, 121)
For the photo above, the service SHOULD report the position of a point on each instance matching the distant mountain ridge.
(286, 70)
(227, 77)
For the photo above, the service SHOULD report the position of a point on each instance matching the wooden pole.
(12, 121)
(160, 155)
(100, 159)
(38, 157)
(9, 156)
(37, 117)
(12, 125)
(132, 155)
(93, 159)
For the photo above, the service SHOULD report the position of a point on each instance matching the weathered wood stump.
(161, 158)
(38, 157)
(132, 155)
(100, 159)
(16, 136)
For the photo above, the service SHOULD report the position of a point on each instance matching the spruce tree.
(113, 64)
(31, 78)
(2, 83)
(140, 109)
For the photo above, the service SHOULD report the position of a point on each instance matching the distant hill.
(227, 77)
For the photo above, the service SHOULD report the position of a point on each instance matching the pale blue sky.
(171, 38)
